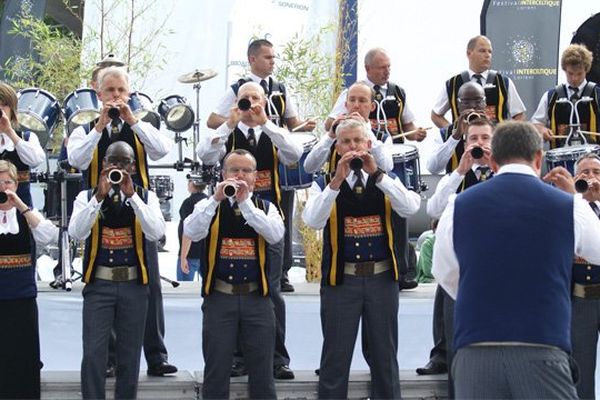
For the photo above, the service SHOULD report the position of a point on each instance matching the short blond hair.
(7, 166)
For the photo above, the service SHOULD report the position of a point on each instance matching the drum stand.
(65, 279)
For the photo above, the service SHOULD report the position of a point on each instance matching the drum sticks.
(410, 132)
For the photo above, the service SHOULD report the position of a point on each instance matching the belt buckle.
(242, 288)
(591, 291)
(366, 268)
(120, 274)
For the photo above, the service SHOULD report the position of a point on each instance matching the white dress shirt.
(445, 264)
(440, 156)
(515, 104)
(446, 187)
(288, 151)
(29, 151)
(86, 211)
(319, 155)
(269, 225)
(229, 98)
(541, 114)
(339, 107)
(81, 146)
(320, 202)
(44, 233)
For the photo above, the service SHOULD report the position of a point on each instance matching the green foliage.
(310, 72)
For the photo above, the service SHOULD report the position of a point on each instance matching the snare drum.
(293, 176)
(38, 111)
(162, 185)
(141, 106)
(567, 156)
(81, 107)
(176, 113)
(406, 166)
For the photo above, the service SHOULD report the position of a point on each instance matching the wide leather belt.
(116, 274)
(240, 288)
(368, 268)
(591, 291)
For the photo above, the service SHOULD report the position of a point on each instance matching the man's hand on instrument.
(466, 160)
(104, 184)
(125, 111)
(127, 184)
(418, 135)
(342, 170)
(369, 163)
(561, 178)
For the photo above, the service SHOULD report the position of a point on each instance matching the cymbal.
(109, 61)
(198, 75)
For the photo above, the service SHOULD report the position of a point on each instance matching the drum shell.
(162, 185)
(406, 166)
(567, 156)
(294, 176)
(141, 106)
(176, 113)
(39, 112)
(81, 107)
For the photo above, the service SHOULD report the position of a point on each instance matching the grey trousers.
(155, 350)
(585, 324)
(281, 355)
(121, 305)
(225, 318)
(438, 352)
(512, 372)
(287, 206)
(375, 300)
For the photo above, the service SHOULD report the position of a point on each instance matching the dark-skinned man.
(360, 269)
(238, 229)
(115, 219)
(86, 152)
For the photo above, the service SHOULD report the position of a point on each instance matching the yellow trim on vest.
(592, 127)
(388, 228)
(139, 248)
(93, 250)
(500, 107)
(399, 118)
(212, 251)
(331, 166)
(453, 99)
(333, 239)
(261, 263)
(94, 172)
(141, 157)
(276, 178)
(553, 125)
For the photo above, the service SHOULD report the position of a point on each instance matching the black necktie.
(575, 96)
(236, 209)
(479, 78)
(265, 86)
(483, 173)
(359, 187)
(251, 139)
(378, 95)
(595, 208)
(114, 130)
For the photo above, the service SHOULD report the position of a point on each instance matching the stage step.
(64, 385)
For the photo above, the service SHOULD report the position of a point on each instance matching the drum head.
(38, 111)
(404, 152)
(571, 153)
(178, 116)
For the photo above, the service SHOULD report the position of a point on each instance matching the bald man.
(115, 219)
(502, 98)
(392, 113)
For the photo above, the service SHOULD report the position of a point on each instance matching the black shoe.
(238, 369)
(111, 371)
(161, 369)
(317, 371)
(283, 372)
(286, 286)
(433, 368)
(404, 284)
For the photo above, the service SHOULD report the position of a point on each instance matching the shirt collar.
(257, 79)
(244, 128)
(517, 169)
(383, 87)
(484, 74)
